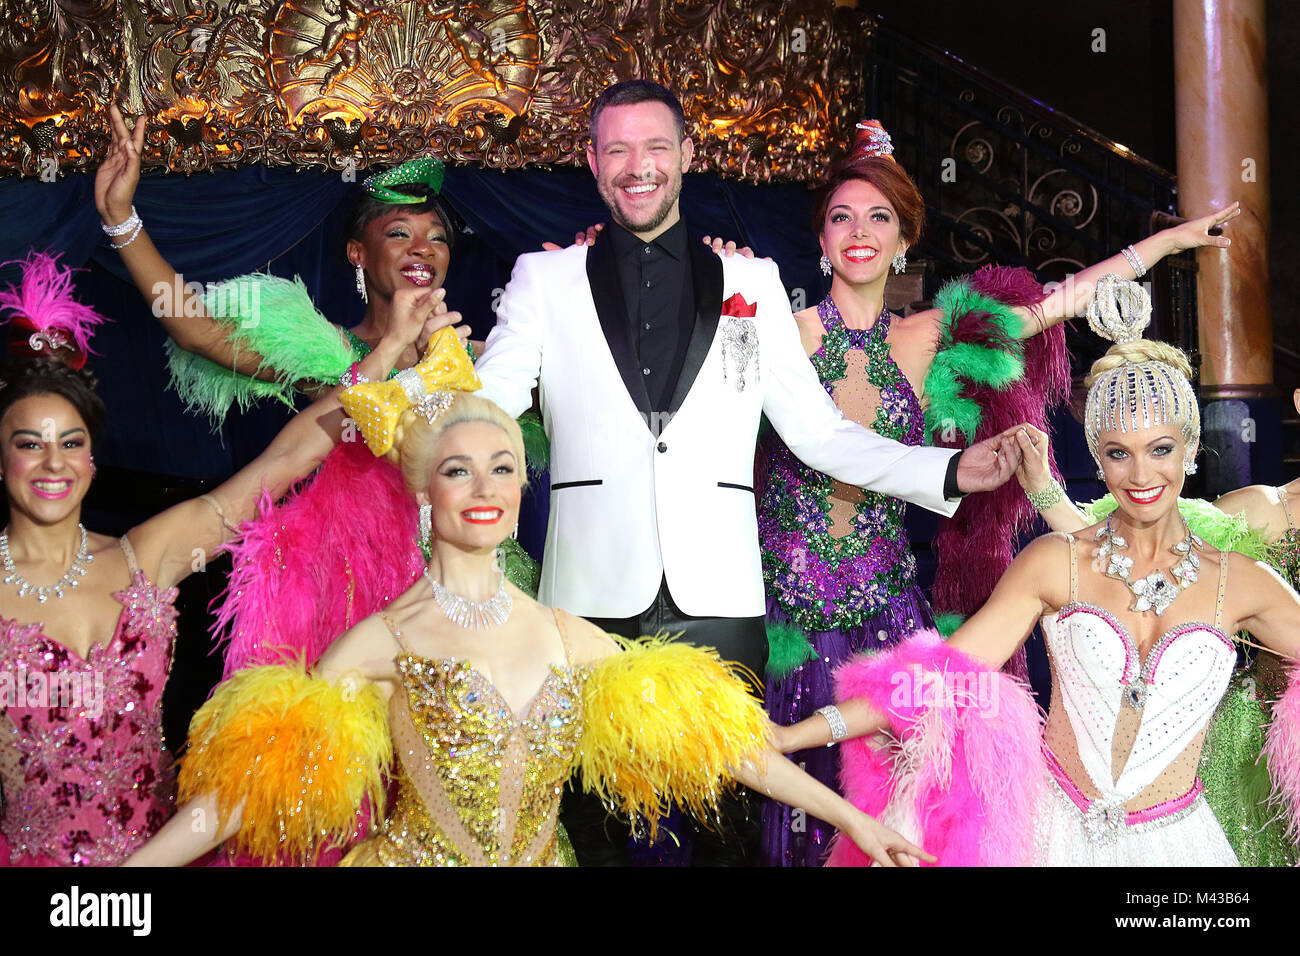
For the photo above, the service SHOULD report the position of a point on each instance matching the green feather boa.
(787, 648)
(959, 365)
(273, 318)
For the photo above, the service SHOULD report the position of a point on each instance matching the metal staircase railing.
(1007, 179)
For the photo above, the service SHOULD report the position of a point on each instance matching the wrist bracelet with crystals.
(1042, 500)
(839, 729)
(134, 235)
(1131, 254)
(352, 377)
(122, 228)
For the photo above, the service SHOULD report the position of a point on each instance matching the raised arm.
(1045, 492)
(179, 541)
(1069, 298)
(512, 358)
(178, 307)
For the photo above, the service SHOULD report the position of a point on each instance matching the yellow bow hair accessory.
(427, 387)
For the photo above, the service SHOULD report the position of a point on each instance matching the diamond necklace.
(475, 615)
(70, 580)
(1155, 591)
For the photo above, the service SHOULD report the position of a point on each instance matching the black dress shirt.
(655, 277)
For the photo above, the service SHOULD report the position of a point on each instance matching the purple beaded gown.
(836, 561)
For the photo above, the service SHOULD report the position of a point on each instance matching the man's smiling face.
(638, 162)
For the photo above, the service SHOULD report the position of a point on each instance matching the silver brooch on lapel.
(739, 339)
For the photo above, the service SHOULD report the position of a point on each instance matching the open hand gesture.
(1196, 232)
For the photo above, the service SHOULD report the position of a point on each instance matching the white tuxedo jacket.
(635, 496)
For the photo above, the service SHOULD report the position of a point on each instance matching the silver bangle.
(1130, 253)
(1042, 500)
(348, 378)
(122, 228)
(122, 245)
(839, 729)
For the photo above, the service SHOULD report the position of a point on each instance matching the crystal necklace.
(1155, 591)
(70, 580)
(475, 615)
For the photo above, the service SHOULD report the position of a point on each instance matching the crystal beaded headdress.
(872, 140)
(1135, 394)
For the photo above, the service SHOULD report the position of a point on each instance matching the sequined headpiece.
(425, 171)
(1134, 395)
(47, 322)
(872, 140)
(429, 387)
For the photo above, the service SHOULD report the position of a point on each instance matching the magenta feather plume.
(307, 569)
(977, 545)
(45, 297)
(969, 765)
(1282, 752)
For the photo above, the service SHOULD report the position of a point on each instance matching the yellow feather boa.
(299, 753)
(666, 722)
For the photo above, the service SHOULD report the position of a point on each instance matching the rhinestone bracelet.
(122, 228)
(134, 235)
(1131, 254)
(839, 729)
(1042, 500)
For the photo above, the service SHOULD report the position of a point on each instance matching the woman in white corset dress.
(1139, 617)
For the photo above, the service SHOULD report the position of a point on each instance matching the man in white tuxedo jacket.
(655, 360)
(652, 393)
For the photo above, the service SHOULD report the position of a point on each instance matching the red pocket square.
(737, 306)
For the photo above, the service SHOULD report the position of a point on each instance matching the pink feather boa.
(306, 570)
(969, 763)
(1282, 751)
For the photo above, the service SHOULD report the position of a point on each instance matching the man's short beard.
(656, 218)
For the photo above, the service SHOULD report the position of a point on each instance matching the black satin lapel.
(706, 276)
(602, 276)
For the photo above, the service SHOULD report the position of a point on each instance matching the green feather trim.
(211, 389)
(537, 447)
(959, 365)
(787, 648)
(275, 319)
(1222, 531)
(519, 567)
(947, 624)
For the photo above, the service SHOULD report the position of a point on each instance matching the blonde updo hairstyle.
(1140, 384)
(415, 440)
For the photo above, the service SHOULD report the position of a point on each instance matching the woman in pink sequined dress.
(87, 621)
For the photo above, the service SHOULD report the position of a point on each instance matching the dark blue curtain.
(213, 226)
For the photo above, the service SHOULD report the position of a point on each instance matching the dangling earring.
(426, 530)
(825, 263)
(900, 264)
(1189, 466)
(361, 283)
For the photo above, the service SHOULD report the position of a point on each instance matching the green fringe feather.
(273, 318)
(957, 366)
(1220, 530)
(537, 447)
(947, 624)
(787, 648)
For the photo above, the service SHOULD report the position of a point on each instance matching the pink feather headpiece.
(54, 324)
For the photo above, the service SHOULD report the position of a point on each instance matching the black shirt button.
(647, 250)
(646, 326)
(645, 371)
(662, 446)
(648, 284)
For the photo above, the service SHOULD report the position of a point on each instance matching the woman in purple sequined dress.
(838, 567)
(87, 621)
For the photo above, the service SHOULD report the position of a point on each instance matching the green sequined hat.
(426, 171)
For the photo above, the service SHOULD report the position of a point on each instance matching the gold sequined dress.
(476, 784)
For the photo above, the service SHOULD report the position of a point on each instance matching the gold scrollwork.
(769, 88)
